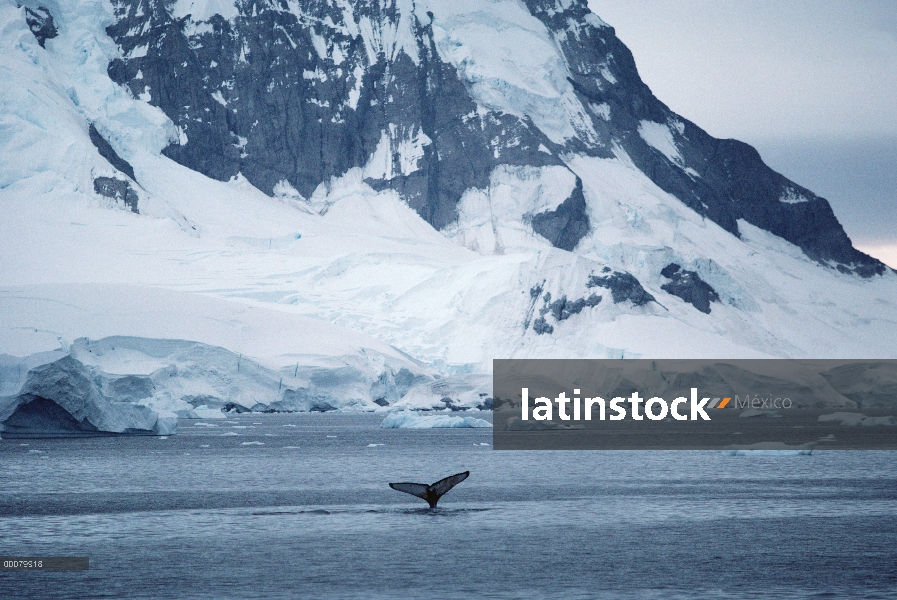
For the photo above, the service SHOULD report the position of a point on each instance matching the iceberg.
(407, 420)
(65, 398)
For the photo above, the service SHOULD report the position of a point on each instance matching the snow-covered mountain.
(419, 185)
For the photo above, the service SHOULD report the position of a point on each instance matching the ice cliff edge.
(62, 398)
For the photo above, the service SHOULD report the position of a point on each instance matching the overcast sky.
(812, 84)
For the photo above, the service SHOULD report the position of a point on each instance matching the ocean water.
(305, 512)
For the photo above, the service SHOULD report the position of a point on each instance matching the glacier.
(462, 226)
(143, 385)
(63, 398)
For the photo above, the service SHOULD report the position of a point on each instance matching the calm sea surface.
(297, 506)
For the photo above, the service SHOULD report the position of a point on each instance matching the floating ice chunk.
(771, 449)
(291, 447)
(36, 452)
(375, 445)
(852, 419)
(203, 445)
(253, 444)
(407, 420)
(229, 433)
(753, 412)
(516, 424)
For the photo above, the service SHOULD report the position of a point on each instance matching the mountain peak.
(429, 98)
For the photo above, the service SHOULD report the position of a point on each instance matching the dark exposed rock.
(254, 96)
(234, 408)
(261, 94)
(41, 24)
(116, 189)
(534, 294)
(563, 309)
(450, 404)
(109, 154)
(689, 286)
(567, 224)
(381, 402)
(541, 326)
(623, 286)
(486, 404)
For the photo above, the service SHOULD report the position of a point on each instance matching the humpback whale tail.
(433, 492)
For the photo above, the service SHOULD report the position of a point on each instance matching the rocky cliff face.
(429, 98)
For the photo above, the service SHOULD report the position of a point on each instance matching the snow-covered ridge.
(431, 99)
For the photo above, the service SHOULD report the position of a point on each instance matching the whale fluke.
(433, 492)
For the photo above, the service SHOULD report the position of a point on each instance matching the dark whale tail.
(433, 492)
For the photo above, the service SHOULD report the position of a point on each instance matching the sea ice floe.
(407, 420)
